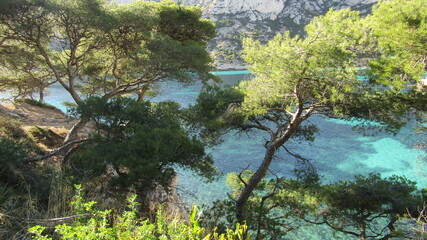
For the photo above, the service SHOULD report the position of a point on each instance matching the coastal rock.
(31, 115)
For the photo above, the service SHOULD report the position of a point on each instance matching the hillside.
(30, 115)
(260, 19)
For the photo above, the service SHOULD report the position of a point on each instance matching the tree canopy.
(99, 48)
(297, 77)
(367, 207)
(141, 142)
(399, 28)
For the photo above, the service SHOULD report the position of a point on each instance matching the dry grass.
(20, 210)
(30, 115)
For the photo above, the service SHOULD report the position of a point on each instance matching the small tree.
(95, 48)
(274, 208)
(367, 207)
(142, 142)
(295, 79)
(399, 28)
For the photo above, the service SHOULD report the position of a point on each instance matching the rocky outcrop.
(31, 115)
(260, 19)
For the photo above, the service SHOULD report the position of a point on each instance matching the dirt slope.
(37, 116)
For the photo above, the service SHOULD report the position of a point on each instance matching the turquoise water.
(338, 152)
(227, 73)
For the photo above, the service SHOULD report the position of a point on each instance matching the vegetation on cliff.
(100, 53)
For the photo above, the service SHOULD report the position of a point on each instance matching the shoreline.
(224, 66)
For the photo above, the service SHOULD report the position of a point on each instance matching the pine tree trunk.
(362, 235)
(41, 95)
(275, 143)
(72, 135)
(253, 182)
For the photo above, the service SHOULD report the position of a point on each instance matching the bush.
(11, 128)
(36, 103)
(143, 141)
(91, 223)
(45, 136)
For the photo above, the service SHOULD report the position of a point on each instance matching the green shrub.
(11, 128)
(36, 103)
(91, 223)
(45, 136)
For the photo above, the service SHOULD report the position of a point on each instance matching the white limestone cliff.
(260, 19)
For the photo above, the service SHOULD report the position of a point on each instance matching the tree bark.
(72, 135)
(362, 235)
(272, 146)
(54, 152)
(41, 94)
(253, 182)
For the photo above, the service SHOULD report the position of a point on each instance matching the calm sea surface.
(338, 152)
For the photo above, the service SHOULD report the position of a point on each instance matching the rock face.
(260, 19)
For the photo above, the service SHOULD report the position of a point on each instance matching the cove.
(338, 152)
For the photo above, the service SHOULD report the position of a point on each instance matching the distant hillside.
(260, 19)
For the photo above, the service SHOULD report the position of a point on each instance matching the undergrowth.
(36, 103)
(91, 223)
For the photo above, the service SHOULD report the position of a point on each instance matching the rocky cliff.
(260, 19)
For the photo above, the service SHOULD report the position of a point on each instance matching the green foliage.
(142, 141)
(272, 210)
(400, 29)
(301, 77)
(23, 72)
(368, 206)
(24, 188)
(19, 177)
(183, 23)
(111, 49)
(33, 102)
(11, 155)
(373, 194)
(215, 112)
(15, 173)
(94, 224)
(319, 69)
(7, 6)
